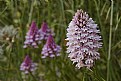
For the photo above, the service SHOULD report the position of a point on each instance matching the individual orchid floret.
(32, 36)
(28, 66)
(45, 31)
(50, 49)
(83, 40)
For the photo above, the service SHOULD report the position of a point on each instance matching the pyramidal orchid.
(45, 31)
(28, 66)
(83, 40)
(50, 49)
(32, 37)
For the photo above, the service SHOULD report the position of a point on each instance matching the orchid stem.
(110, 40)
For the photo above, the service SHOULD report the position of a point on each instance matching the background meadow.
(16, 17)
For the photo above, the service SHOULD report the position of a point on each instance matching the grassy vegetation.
(58, 14)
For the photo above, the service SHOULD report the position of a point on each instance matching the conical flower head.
(44, 27)
(45, 31)
(50, 49)
(32, 36)
(83, 40)
(27, 65)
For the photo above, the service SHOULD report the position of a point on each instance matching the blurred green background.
(58, 13)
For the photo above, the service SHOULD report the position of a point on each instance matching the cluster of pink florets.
(83, 40)
(33, 38)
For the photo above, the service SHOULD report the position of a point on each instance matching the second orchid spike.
(50, 49)
(32, 36)
(45, 31)
(28, 66)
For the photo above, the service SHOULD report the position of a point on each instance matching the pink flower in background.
(83, 40)
(50, 49)
(28, 66)
(45, 31)
(32, 37)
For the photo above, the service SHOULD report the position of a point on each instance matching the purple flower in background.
(32, 36)
(45, 31)
(50, 49)
(28, 66)
(83, 40)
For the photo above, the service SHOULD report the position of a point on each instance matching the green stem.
(84, 77)
(9, 58)
(110, 39)
(9, 61)
(33, 76)
(30, 14)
